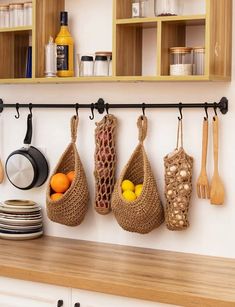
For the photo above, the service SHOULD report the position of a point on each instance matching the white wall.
(212, 228)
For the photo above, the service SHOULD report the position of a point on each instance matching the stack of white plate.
(20, 220)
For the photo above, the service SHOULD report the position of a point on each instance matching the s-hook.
(206, 110)
(77, 108)
(92, 112)
(107, 108)
(180, 110)
(17, 111)
(143, 109)
(30, 109)
(215, 108)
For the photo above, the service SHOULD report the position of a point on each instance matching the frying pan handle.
(28, 136)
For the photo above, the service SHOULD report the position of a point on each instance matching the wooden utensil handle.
(215, 142)
(204, 144)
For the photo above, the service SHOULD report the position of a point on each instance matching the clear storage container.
(16, 14)
(167, 7)
(86, 66)
(28, 9)
(4, 16)
(198, 60)
(181, 61)
(101, 67)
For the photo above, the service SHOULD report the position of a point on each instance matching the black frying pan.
(27, 167)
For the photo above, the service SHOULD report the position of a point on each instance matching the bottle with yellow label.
(65, 49)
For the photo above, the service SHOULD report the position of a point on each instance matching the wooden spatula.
(203, 189)
(217, 187)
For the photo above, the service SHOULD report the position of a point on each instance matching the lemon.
(138, 189)
(128, 185)
(129, 195)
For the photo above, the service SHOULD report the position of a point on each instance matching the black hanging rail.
(101, 106)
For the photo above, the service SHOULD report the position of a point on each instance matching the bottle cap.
(63, 18)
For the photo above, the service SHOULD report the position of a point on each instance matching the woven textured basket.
(70, 210)
(178, 185)
(105, 163)
(146, 212)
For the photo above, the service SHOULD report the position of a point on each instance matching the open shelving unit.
(140, 45)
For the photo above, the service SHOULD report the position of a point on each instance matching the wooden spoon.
(217, 187)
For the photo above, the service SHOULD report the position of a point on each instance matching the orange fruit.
(56, 196)
(60, 183)
(71, 175)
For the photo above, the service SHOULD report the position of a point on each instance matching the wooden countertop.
(161, 276)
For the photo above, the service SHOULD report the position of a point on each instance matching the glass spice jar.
(181, 61)
(86, 66)
(4, 16)
(28, 8)
(166, 7)
(198, 60)
(16, 14)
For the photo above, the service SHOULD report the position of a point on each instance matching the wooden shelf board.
(152, 21)
(103, 79)
(161, 276)
(18, 29)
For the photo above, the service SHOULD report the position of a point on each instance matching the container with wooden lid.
(199, 60)
(103, 63)
(4, 16)
(181, 61)
(16, 15)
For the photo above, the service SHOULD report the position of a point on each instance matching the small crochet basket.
(146, 212)
(105, 163)
(178, 185)
(71, 208)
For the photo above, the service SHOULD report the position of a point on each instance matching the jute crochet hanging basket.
(178, 185)
(146, 212)
(70, 210)
(105, 163)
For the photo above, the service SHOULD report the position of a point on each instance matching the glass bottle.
(198, 60)
(28, 8)
(166, 7)
(136, 8)
(65, 49)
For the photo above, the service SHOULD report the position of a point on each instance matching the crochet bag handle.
(74, 128)
(179, 134)
(142, 125)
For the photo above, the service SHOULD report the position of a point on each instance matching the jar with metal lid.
(4, 16)
(181, 61)
(86, 66)
(28, 9)
(198, 60)
(16, 14)
(167, 7)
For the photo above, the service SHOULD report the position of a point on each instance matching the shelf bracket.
(1, 105)
(100, 106)
(223, 105)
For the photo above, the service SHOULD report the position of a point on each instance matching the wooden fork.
(203, 188)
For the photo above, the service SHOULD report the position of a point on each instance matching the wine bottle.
(65, 49)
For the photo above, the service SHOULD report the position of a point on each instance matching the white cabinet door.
(19, 293)
(94, 299)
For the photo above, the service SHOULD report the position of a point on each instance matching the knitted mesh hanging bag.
(71, 208)
(146, 212)
(105, 163)
(178, 185)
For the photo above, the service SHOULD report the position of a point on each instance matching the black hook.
(30, 108)
(180, 110)
(215, 108)
(92, 112)
(206, 110)
(77, 108)
(17, 110)
(107, 108)
(143, 109)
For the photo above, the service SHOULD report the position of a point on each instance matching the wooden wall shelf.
(128, 44)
